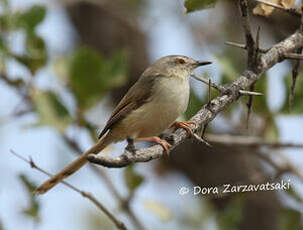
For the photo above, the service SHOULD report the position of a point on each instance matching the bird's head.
(178, 65)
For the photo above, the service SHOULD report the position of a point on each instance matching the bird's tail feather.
(73, 167)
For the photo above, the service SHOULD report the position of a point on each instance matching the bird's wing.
(136, 96)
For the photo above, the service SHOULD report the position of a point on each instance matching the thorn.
(258, 38)
(250, 93)
(242, 46)
(31, 162)
(220, 88)
(249, 105)
(201, 140)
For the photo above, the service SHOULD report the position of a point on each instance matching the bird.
(150, 106)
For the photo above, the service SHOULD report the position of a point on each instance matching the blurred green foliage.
(91, 76)
(294, 194)
(158, 209)
(290, 219)
(194, 105)
(232, 215)
(35, 55)
(95, 221)
(50, 109)
(32, 210)
(132, 179)
(194, 5)
(32, 17)
(297, 104)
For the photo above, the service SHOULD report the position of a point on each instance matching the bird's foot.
(185, 125)
(165, 145)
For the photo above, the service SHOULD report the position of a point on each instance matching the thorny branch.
(292, 56)
(230, 94)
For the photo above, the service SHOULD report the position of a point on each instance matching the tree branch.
(250, 42)
(249, 141)
(119, 224)
(293, 56)
(209, 112)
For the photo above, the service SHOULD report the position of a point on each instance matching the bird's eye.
(180, 61)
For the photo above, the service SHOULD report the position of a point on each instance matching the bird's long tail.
(74, 166)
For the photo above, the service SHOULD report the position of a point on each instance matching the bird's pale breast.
(169, 101)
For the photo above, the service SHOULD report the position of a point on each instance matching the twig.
(119, 224)
(293, 56)
(243, 46)
(218, 104)
(249, 141)
(220, 88)
(288, 10)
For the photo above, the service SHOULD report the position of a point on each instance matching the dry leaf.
(265, 10)
(287, 3)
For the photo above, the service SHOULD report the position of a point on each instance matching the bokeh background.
(65, 64)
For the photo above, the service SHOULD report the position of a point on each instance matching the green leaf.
(194, 5)
(229, 70)
(297, 105)
(31, 18)
(132, 179)
(194, 105)
(290, 219)
(50, 109)
(33, 210)
(161, 211)
(272, 130)
(232, 215)
(36, 54)
(2, 46)
(260, 103)
(30, 186)
(294, 194)
(90, 75)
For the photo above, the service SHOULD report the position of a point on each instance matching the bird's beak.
(201, 63)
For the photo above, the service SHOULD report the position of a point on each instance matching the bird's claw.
(185, 125)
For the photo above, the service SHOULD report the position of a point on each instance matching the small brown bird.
(149, 107)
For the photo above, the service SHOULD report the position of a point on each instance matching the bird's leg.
(130, 145)
(166, 146)
(185, 125)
